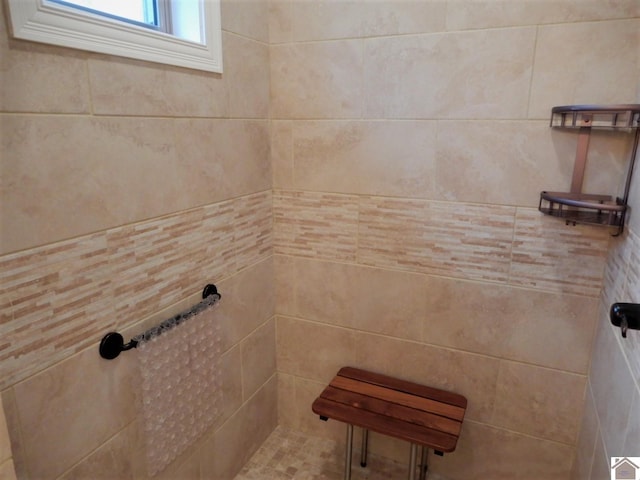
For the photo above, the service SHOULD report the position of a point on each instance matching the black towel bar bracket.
(626, 316)
(113, 343)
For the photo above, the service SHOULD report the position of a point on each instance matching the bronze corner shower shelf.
(577, 207)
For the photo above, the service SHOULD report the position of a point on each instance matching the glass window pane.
(142, 11)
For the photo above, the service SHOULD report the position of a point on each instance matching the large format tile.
(394, 158)
(505, 13)
(589, 434)
(312, 350)
(316, 80)
(24, 66)
(222, 159)
(485, 452)
(84, 400)
(258, 358)
(336, 19)
(414, 77)
(368, 299)
(539, 401)
(564, 76)
(121, 87)
(65, 176)
(610, 373)
(541, 328)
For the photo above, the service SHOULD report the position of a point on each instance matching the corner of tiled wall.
(7, 470)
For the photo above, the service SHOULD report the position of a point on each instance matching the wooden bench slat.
(437, 440)
(404, 386)
(393, 410)
(399, 397)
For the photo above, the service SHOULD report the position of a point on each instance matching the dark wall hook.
(626, 316)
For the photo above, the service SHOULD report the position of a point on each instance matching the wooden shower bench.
(424, 416)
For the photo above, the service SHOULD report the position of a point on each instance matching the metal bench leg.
(424, 460)
(348, 452)
(412, 461)
(365, 446)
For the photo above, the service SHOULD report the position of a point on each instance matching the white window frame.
(48, 22)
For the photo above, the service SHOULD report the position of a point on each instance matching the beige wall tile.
(246, 17)
(376, 158)
(334, 19)
(7, 471)
(473, 376)
(247, 63)
(311, 350)
(457, 240)
(315, 224)
(233, 444)
(505, 13)
(609, 373)
(231, 366)
(633, 214)
(248, 302)
(5, 443)
(398, 17)
(287, 416)
(306, 391)
(280, 21)
(84, 400)
(512, 162)
(615, 273)
(122, 87)
(535, 327)
(585, 447)
(601, 467)
(89, 166)
(321, 20)
(221, 159)
(282, 153)
(283, 283)
(539, 401)
(113, 459)
(631, 446)
(413, 77)
(547, 254)
(564, 76)
(15, 434)
(25, 64)
(316, 80)
(258, 358)
(476, 457)
(368, 299)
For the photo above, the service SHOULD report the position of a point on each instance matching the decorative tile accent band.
(59, 298)
(510, 245)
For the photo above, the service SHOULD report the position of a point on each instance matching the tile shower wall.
(126, 187)
(410, 141)
(610, 425)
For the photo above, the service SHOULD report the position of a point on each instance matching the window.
(186, 33)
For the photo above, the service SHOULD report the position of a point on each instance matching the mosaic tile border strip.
(510, 245)
(57, 299)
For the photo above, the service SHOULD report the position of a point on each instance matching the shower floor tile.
(292, 455)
